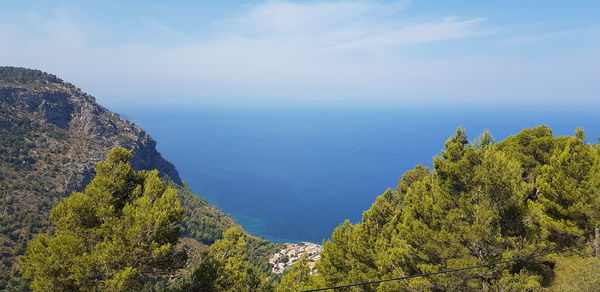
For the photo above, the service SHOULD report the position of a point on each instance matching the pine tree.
(568, 204)
(225, 268)
(298, 278)
(115, 235)
(475, 207)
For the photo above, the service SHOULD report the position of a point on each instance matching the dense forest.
(483, 202)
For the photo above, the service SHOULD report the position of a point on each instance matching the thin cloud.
(587, 32)
(283, 17)
(163, 28)
(413, 34)
(294, 52)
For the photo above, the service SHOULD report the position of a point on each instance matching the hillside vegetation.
(120, 234)
(52, 135)
(116, 234)
(482, 202)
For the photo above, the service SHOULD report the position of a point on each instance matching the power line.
(440, 272)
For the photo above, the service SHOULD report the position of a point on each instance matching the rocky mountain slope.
(52, 134)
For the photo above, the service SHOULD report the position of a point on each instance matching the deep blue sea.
(293, 175)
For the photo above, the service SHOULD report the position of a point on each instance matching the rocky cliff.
(52, 134)
(70, 115)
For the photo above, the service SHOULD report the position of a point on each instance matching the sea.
(294, 174)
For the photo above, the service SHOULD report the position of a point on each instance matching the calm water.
(293, 175)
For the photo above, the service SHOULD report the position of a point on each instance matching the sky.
(313, 53)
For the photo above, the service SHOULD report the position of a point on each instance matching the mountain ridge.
(52, 136)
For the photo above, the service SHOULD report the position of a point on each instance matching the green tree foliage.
(206, 224)
(225, 268)
(45, 155)
(297, 278)
(205, 229)
(115, 235)
(568, 201)
(482, 202)
(25, 75)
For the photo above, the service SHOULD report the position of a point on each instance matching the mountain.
(52, 134)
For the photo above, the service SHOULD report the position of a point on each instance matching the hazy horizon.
(328, 53)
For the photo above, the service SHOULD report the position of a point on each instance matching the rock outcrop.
(52, 135)
(90, 129)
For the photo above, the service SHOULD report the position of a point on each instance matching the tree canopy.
(225, 268)
(117, 234)
(482, 202)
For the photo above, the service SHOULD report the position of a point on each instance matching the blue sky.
(356, 53)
